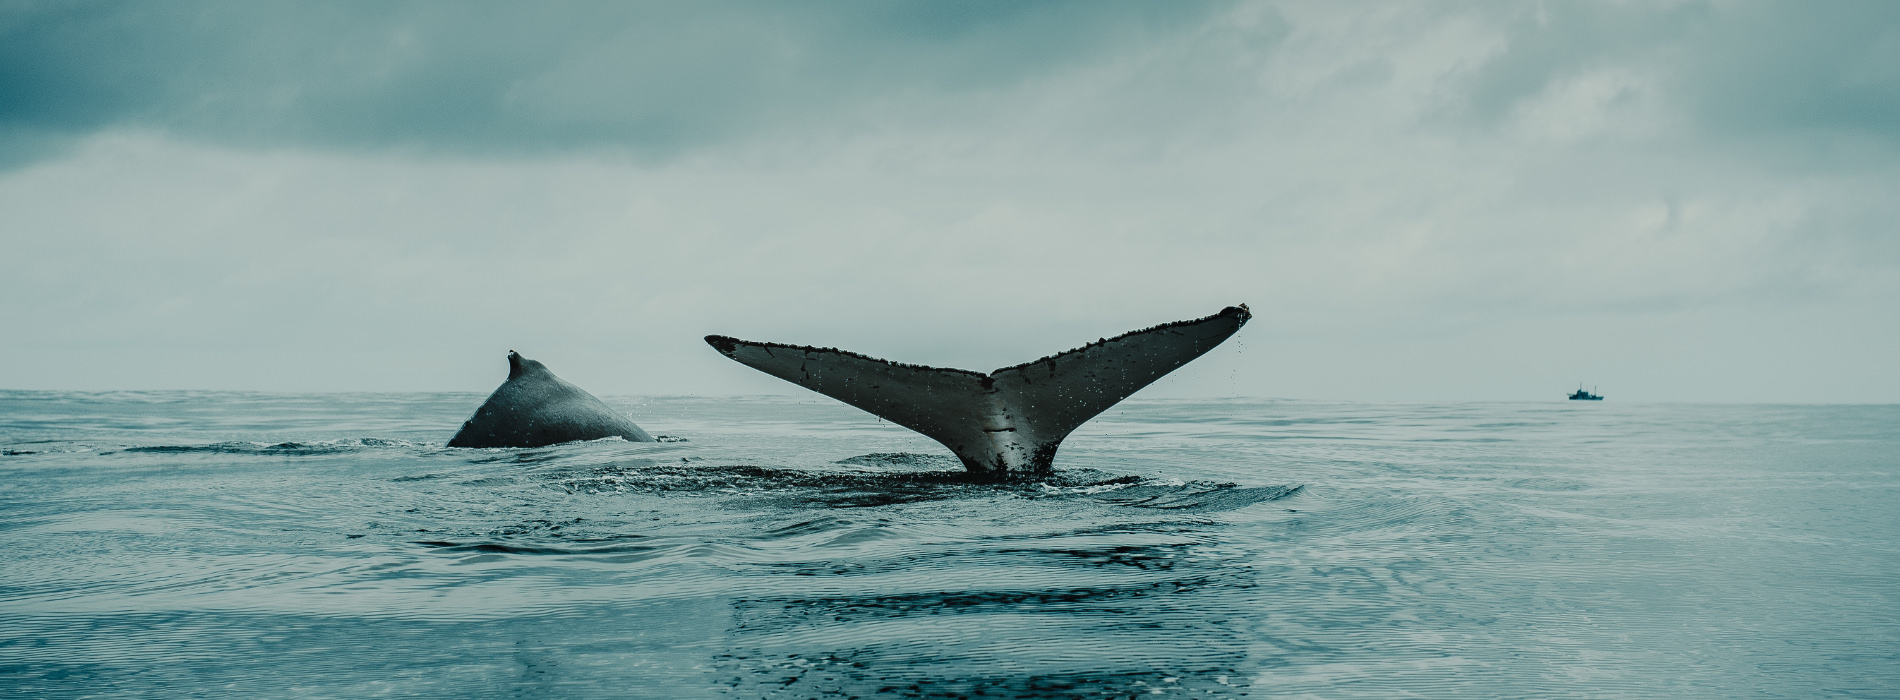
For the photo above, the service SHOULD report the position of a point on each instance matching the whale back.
(1007, 422)
(535, 408)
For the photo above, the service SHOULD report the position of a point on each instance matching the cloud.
(1433, 201)
(1742, 70)
(501, 78)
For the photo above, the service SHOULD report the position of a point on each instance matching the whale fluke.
(535, 408)
(1009, 421)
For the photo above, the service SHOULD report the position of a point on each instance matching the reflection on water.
(261, 545)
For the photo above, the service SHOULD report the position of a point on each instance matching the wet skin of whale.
(1006, 423)
(535, 408)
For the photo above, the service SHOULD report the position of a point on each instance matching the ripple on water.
(161, 545)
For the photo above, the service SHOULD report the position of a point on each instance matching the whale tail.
(1009, 421)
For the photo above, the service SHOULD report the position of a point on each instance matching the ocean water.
(180, 544)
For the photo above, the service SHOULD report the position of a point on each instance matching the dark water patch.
(903, 460)
(603, 448)
(874, 673)
(527, 457)
(572, 536)
(537, 527)
(287, 654)
(606, 538)
(490, 481)
(662, 477)
(797, 611)
(1547, 485)
(1142, 557)
(1189, 530)
(1225, 499)
(292, 449)
(1195, 496)
(506, 548)
(217, 448)
(806, 527)
(831, 488)
(686, 475)
(1005, 640)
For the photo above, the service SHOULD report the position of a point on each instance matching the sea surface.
(188, 544)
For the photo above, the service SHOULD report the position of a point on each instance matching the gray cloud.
(511, 77)
(1691, 200)
(1742, 67)
(658, 78)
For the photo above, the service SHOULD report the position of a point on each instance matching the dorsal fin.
(535, 408)
(1011, 420)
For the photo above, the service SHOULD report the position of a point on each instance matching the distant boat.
(1582, 395)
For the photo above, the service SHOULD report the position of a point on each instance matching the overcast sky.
(1673, 201)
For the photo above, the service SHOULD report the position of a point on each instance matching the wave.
(503, 548)
(320, 447)
(1195, 496)
(895, 478)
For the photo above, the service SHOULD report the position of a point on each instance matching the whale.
(1008, 423)
(534, 408)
